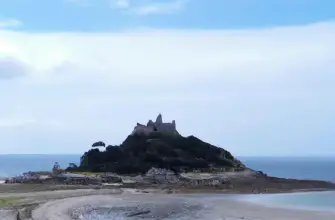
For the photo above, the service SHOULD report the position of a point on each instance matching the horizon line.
(244, 156)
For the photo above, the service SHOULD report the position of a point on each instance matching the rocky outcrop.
(111, 178)
(156, 175)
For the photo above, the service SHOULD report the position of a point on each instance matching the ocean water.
(294, 167)
(316, 201)
(14, 165)
(298, 168)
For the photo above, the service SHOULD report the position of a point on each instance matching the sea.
(17, 164)
(286, 167)
(297, 168)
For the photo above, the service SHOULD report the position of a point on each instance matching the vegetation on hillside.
(139, 153)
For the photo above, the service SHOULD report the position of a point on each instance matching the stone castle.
(157, 126)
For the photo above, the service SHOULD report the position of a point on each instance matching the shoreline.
(18, 188)
(55, 202)
(185, 206)
(194, 199)
(271, 201)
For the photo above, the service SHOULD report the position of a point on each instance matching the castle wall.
(142, 129)
(166, 127)
(158, 126)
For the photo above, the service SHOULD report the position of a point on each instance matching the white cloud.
(140, 8)
(120, 4)
(240, 89)
(10, 23)
(10, 123)
(11, 68)
(159, 8)
(82, 3)
(145, 8)
(170, 55)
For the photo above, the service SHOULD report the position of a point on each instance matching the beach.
(193, 196)
(158, 206)
(125, 203)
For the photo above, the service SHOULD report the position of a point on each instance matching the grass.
(6, 202)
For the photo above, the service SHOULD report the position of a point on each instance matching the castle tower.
(159, 120)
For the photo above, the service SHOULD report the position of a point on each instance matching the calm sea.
(299, 168)
(13, 165)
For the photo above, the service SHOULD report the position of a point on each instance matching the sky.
(255, 77)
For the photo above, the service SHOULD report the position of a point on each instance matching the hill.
(138, 153)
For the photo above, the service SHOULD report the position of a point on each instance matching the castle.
(157, 126)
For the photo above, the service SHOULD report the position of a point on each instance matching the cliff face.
(139, 153)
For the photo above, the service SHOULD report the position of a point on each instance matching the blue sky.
(255, 77)
(110, 15)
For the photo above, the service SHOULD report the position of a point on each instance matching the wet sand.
(159, 206)
(52, 202)
(22, 203)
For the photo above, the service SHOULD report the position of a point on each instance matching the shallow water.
(318, 201)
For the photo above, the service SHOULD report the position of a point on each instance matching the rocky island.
(158, 145)
(156, 155)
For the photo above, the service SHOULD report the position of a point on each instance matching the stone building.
(157, 126)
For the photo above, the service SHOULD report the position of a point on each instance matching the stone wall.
(142, 129)
(157, 126)
(166, 127)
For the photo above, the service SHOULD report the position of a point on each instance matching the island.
(157, 155)
(158, 145)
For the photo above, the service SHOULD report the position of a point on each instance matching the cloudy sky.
(256, 77)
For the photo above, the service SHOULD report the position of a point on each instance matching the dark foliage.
(138, 153)
(99, 144)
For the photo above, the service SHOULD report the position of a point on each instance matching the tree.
(99, 144)
(73, 165)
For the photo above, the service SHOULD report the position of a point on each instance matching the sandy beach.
(132, 204)
(178, 201)
(154, 206)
